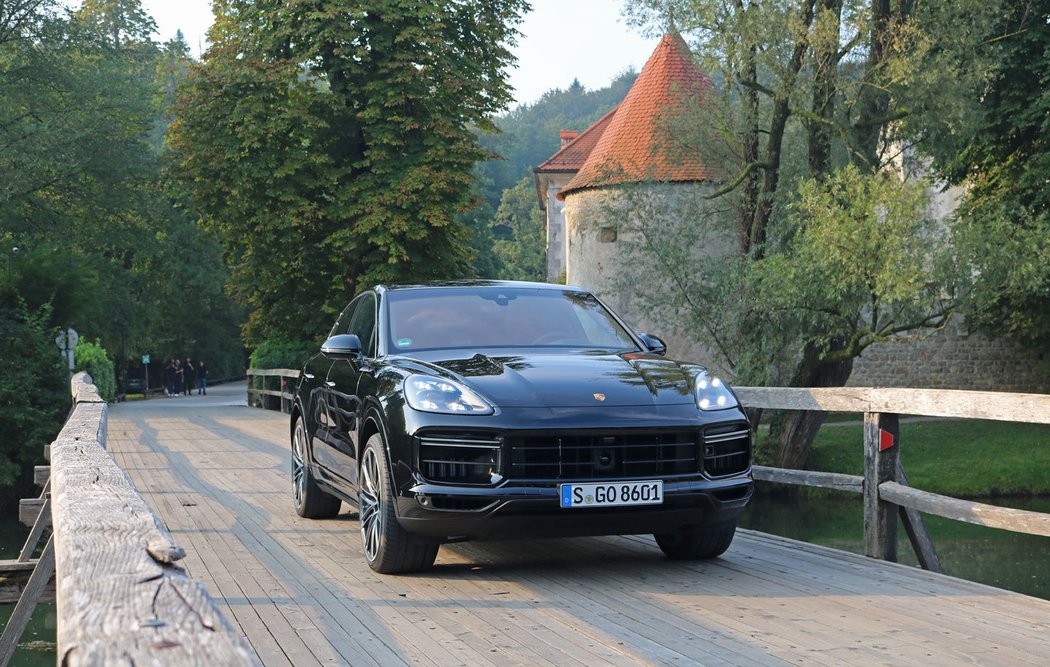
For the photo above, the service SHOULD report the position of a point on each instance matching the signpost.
(67, 340)
(145, 367)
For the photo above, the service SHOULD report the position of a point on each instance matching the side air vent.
(727, 450)
(460, 458)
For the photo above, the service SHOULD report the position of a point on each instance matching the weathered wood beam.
(835, 399)
(41, 474)
(29, 510)
(992, 516)
(121, 598)
(13, 579)
(824, 480)
(1001, 406)
(273, 372)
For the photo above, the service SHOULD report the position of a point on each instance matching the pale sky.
(561, 39)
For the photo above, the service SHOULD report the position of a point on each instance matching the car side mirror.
(342, 346)
(654, 344)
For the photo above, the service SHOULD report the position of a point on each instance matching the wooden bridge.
(299, 593)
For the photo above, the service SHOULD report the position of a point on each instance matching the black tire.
(388, 548)
(310, 501)
(697, 544)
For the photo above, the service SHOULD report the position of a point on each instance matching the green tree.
(332, 147)
(34, 396)
(103, 237)
(810, 87)
(522, 238)
(1004, 159)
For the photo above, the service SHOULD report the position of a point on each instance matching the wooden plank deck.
(218, 475)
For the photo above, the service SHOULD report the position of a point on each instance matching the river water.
(990, 556)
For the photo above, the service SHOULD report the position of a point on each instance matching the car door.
(325, 450)
(343, 381)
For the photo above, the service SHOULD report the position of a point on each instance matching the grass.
(963, 458)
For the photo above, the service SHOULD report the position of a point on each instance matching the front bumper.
(524, 506)
(532, 511)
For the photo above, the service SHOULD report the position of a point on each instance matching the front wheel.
(310, 501)
(697, 544)
(388, 548)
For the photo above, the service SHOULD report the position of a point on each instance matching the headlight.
(712, 394)
(430, 394)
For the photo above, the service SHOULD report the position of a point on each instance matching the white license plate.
(612, 494)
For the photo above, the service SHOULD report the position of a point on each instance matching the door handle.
(308, 376)
(329, 383)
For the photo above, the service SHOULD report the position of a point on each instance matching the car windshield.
(498, 316)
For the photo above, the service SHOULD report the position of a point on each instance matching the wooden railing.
(121, 598)
(884, 483)
(275, 390)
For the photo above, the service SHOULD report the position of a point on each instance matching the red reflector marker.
(885, 440)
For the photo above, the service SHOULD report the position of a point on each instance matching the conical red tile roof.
(631, 149)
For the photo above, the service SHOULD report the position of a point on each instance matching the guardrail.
(121, 598)
(275, 388)
(884, 484)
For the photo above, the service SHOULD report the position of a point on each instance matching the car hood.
(566, 378)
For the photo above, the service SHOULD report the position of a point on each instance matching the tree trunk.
(825, 77)
(799, 428)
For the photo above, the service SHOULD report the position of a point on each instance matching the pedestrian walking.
(190, 374)
(180, 378)
(169, 377)
(202, 378)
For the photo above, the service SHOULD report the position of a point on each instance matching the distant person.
(169, 376)
(190, 373)
(180, 377)
(202, 378)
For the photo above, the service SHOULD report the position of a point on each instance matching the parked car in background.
(494, 410)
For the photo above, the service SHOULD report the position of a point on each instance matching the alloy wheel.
(299, 463)
(371, 499)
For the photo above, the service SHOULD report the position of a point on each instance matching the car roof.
(440, 284)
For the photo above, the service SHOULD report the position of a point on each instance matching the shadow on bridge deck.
(217, 474)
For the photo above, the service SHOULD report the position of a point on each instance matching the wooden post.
(881, 448)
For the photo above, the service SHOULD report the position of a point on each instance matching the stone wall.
(954, 359)
(604, 224)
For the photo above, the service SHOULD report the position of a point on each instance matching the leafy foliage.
(331, 148)
(93, 360)
(34, 396)
(1005, 158)
(522, 225)
(281, 353)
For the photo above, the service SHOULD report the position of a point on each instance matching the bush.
(34, 396)
(280, 353)
(93, 360)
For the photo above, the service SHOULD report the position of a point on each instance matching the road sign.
(145, 358)
(66, 341)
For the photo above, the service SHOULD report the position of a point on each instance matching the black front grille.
(727, 449)
(460, 458)
(603, 456)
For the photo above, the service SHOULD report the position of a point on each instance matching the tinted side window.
(363, 324)
(342, 325)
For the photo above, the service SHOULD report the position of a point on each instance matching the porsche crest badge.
(599, 397)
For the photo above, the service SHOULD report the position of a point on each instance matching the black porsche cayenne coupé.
(489, 410)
